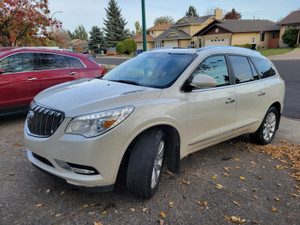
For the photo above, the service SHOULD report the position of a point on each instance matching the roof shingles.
(292, 18)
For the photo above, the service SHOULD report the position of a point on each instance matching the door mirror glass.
(203, 81)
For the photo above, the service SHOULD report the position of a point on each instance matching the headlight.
(94, 124)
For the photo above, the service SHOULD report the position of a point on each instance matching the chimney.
(219, 14)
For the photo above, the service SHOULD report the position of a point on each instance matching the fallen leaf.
(199, 203)
(277, 199)
(236, 159)
(255, 222)
(48, 191)
(205, 172)
(205, 203)
(219, 186)
(85, 206)
(58, 215)
(163, 214)
(40, 204)
(279, 167)
(131, 209)
(93, 204)
(252, 162)
(237, 167)
(242, 178)
(200, 208)
(237, 219)
(284, 161)
(171, 204)
(62, 193)
(116, 212)
(282, 141)
(227, 168)
(226, 174)
(52, 214)
(227, 217)
(260, 177)
(214, 176)
(274, 209)
(294, 195)
(12, 173)
(98, 223)
(104, 212)
(144, 209)
(91, 213)
(40, 189)
(161, 222)
(254, 196)
(235, 202)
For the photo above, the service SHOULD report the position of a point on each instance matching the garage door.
(220, 41)
(171, 43)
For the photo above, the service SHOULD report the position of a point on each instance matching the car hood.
(93, 95)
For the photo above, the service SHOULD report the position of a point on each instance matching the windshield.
(159, 70)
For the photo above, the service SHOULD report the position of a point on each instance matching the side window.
(264, 67)
(215, 67)
(22, 62)
(75, 63)
(241, 69)
(53, 61)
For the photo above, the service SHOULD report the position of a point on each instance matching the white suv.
(157, 107)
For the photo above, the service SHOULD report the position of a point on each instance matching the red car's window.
(75, 63)
(22, 62)
(53, 61)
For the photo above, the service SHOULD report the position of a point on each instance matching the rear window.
(264, 67)
(75, 63)
(242, 70)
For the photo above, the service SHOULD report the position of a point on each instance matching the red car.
(24, 72)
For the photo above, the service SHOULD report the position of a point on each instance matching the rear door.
(211, 111)
(56, 69)
(19, 81)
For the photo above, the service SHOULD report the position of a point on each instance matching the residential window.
(264, 67)
(241, 69)
(192, 42)
(215, 67)
(262, 36)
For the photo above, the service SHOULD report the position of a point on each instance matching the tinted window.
(215, 67)
(264, 67)
(151, 69)
(52, 61)
(75, 63)
(241, 69)
(17, 63)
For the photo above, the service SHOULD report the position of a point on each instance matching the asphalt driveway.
(229, 180)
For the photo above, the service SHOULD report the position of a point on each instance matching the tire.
(267, 130)
(145, 163)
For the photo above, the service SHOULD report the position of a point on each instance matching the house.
(291, 20)
(181, 34)
(263, 33)
(79, 45)
(152, 32)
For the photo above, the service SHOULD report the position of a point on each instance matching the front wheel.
(145, 163)
(266, 132)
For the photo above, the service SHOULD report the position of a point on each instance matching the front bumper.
(73, 157)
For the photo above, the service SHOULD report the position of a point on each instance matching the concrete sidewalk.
(295, 54)
(289, 130)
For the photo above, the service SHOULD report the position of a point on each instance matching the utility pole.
(144, 26)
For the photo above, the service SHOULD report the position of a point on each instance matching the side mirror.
(1, 71)
(203, 81)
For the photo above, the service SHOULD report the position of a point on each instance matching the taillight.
(103, 70)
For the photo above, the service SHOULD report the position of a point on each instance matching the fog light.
(76, 168)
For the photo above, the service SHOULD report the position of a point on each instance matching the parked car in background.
(159, 106)
(24, 72)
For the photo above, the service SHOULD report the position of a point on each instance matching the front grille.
(42, 121)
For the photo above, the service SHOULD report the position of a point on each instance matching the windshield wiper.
(127, 82)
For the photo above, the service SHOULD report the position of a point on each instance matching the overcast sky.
(91, 12)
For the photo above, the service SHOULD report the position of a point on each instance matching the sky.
(92, 12)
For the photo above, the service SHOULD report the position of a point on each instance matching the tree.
(138, 28)
(61, 38)
(290, 36)
(192, 12)
(233, 15)
(130, 45)
(71, 34)
(80, 33)
(120, 48)
(114, 29)
(164, 20)
(25, 21)
(96, 38)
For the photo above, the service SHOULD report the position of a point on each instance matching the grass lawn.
(274, 51)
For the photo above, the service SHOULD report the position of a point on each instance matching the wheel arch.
(278, 107)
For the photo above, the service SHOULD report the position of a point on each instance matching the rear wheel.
(145, 163)
(266, 132)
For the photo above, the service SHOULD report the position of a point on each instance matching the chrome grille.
(42, 121)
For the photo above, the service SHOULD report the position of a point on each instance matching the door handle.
(31, 78)
(72, 73)
(261, 93)
(229, 100)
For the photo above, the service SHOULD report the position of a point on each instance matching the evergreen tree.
(80, 33)
(114, 29)
(70, 34)
(96, 37)
(192, 12)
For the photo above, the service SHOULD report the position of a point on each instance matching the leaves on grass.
(40, 204)
(163, 214)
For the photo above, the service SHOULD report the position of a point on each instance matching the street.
(288, 70)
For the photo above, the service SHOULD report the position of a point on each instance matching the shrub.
(120, 48)
(290, 36)
(130, 46)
